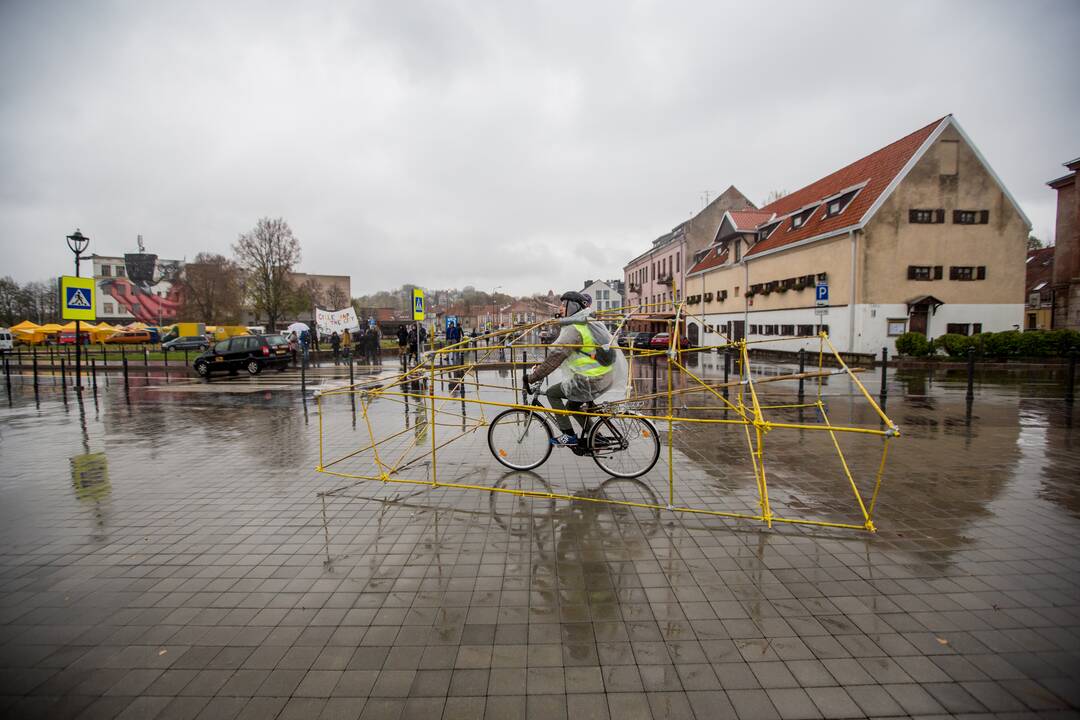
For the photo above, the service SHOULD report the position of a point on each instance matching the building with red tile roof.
(918, 235)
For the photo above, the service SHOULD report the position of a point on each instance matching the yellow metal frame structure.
(448, 366)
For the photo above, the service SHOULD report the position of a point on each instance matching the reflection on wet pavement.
(165, 554)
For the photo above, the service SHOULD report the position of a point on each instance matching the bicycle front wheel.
(626, 447)
(520, 439)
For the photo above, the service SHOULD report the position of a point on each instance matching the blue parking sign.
(822, 292)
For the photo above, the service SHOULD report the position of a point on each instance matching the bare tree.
(774, 195)
(213, 290)
(337, 298)
(268, 253)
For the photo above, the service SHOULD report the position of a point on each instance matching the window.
(919, 272)
(823, 328)
(797, 221)
(119, 271)
(970, 217)
(806, 330)
(957, 328)
(897, 326)
(958, 272)
(753, 330)
(678, 261)
(980, 272)
(836, 205)
(787, 329)
(738, 250)
(108, 308)
(921, 215)
(976, 328)
(106, 271)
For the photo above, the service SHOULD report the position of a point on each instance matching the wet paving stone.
(164, 553)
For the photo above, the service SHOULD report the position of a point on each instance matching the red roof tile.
(715, 256)
(1040, 268)
(877, 170)
(749, 219)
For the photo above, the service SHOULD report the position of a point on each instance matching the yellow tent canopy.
(50, 328)
(31, 336)
(25, 325)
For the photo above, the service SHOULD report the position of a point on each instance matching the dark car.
(194, 342)
(244, 352)
(641, 340)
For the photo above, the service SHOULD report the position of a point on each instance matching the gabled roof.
(1039, 268)
(717, 255)
(877, 170)
(746, 220)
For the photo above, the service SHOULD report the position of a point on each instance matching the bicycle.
(623, 444)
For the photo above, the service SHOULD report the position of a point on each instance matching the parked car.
(129, 337)
(244, 352)
(6, 341)
(626, 340)
(68, 338)
(641, 340)
(663, 340)
(193, 342)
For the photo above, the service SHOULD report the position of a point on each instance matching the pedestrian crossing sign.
(417, 304)
(77, 298)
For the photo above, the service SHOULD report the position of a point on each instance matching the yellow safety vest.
(584, 361)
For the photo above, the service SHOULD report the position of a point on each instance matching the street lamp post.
(78, 242)
(497, 289)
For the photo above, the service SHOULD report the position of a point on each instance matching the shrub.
(913, 344)
(954, 345)
(1002, 345)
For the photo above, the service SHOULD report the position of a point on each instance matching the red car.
(68, 338)
(663, 340)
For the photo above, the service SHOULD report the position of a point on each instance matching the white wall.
(871, 324)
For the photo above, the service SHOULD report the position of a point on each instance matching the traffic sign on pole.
(822, 295)
(418, 304)
(76, 298)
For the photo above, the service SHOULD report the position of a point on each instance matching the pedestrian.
(294, 346)
(414, 355)
(346, 343)
(376, 345)
(305, 345)
(335, 345)
(403, 344)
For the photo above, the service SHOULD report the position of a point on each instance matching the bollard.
(104, 358)
(165, 354)
(7, 376)
(884, 373)
(351, 381)
(93, 373)
(802, 369)
(63, 374)
(35, 373)
(303, 377)
(971, 375)
(1070, 376)
(124, 360)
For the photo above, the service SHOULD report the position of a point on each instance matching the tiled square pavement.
(193, 579)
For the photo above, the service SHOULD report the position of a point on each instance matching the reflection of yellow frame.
(68, 282)
(749, 413)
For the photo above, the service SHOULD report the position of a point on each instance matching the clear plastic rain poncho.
(606, 388)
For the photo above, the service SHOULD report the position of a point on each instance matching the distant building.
(331, 292)
(920, 235)
(1039, 311)
(605, 294)
(1066, 282)
(656, 278)
(136, 287)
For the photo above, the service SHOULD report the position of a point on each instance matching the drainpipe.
(851, 300)
(746, 300)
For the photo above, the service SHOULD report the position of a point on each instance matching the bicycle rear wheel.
(625, 447)
(520, 439)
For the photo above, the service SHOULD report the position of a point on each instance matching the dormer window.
(797, 221)
(835, 206)
(766, 231)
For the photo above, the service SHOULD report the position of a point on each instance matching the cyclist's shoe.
(565, 440)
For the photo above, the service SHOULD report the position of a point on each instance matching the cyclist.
(587, 366)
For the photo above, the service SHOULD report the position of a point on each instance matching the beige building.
(1066, 278)
(920, 235)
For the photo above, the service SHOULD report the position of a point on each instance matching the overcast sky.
(531, 145)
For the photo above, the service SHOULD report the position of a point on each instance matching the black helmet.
(574, 302)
